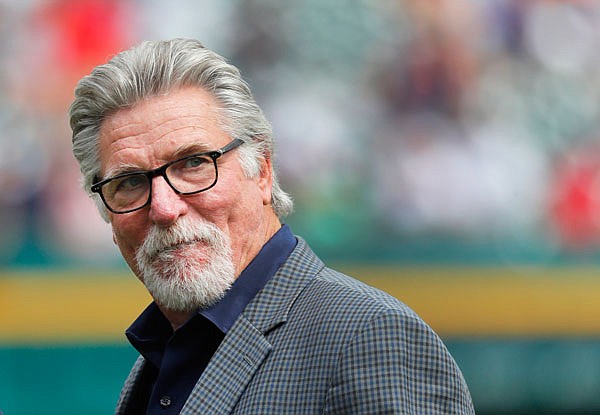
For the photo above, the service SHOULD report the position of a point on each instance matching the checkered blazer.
(315, 341)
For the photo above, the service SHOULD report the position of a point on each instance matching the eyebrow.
(185, 150)
(122, 169)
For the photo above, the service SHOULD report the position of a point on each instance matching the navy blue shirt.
(176, 359)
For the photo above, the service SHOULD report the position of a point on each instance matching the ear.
(265, 180)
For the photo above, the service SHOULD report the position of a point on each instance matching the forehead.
(154, 129)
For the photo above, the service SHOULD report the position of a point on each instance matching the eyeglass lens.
(189, 175)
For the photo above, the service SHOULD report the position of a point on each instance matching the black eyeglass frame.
(162, 171)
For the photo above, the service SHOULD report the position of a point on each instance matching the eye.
(193, 162)
(130, 183)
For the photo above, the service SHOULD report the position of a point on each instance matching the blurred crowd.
(438, 124)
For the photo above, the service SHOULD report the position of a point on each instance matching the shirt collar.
(149, 333)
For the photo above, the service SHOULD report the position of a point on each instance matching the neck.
(252, 245)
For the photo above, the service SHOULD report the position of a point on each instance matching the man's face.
(164, 128)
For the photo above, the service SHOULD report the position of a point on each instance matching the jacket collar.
(272, 304)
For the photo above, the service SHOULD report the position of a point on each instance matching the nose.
(166, 206)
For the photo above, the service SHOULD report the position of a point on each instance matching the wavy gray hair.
(157, 67)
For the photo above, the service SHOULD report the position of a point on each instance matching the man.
(245, 318)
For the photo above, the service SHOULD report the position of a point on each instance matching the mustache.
(183, 232)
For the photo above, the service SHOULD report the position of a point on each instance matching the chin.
(182, 282)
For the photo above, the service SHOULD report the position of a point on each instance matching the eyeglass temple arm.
(235, 143)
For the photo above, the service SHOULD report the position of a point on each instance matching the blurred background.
(447, 151)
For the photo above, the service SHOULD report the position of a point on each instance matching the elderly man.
(245, 319)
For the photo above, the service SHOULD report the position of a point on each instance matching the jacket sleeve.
(396, 364)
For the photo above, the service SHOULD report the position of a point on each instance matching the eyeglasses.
(188, 175)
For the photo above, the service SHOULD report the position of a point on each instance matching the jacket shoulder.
(333, 287)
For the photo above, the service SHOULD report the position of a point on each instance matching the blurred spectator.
(210, 21)
(575, 198)
(439, 64)
(24, 164)
(60, 40)
(563, 35)
(435, 177)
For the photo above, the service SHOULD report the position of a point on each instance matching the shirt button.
(165, 401)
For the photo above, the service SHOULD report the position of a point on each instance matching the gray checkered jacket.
(315, 341)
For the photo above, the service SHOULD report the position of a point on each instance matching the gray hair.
(156, 67)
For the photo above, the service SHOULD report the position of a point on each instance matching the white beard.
(187, 266)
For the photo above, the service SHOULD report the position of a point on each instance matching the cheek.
(128, 235)
(232, 204)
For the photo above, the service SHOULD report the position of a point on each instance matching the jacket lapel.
(229, 371)
(246, 345)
